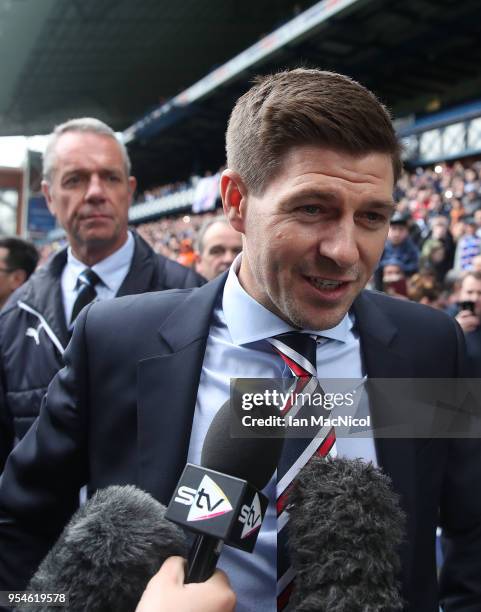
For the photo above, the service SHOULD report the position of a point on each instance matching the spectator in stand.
(439, 230)
(469, 245)
(457, 211)
(394, 278)
(469, 318)
(399, 245)
(88, 187)
(218, 244)
(186, 253)
(477, 220)
(433, 259)
(471, 201)
(476, 263)
(18, 260)
(424, 289)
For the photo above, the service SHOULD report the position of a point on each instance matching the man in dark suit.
(88, 187)
(312, 159)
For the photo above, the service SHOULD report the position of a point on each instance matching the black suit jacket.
(121, 412)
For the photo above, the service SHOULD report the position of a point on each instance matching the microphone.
(221, 500)
(108, 552)
(345, 524)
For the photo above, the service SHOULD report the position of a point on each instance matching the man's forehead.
(74, 146)
(472, 283)
(220, 231)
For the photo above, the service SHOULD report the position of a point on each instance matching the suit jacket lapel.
(167, 391)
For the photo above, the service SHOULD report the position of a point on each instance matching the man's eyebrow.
(385, 204)
(327, 196)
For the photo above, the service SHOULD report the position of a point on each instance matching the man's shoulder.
(140, 306)
(402, 311)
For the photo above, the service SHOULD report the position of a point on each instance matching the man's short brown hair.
(305, 107)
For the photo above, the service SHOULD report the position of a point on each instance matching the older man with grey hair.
(218, 244)
(88, 187)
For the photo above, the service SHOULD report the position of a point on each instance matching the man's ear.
(46, 190)
(132, 181)
(17, 278)
(234, 198)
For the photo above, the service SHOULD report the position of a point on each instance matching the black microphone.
(345, 525)
(221, 500)
(108, 552)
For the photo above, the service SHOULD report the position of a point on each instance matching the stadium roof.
(115, 59)
(419, 56)
(122, 60)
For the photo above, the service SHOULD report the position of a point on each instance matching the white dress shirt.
(112, 271)
(237, 348)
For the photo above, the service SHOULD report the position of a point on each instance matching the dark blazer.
(121, 412)
(34, 334)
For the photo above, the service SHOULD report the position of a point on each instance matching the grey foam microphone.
(108, 552)
(344, 528)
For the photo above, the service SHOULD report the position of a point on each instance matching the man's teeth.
(325, 284)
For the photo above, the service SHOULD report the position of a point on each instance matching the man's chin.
(317, 318)
(97, 238)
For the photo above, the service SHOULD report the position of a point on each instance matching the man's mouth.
(326, 284)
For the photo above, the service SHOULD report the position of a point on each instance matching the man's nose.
(95, 189)
(228, 256)
(339, 244)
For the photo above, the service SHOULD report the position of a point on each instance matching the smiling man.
(311, 162)
(88, 187)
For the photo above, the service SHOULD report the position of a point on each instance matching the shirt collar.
(107, 268)
(248, 321)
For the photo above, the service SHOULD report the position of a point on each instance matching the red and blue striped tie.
(298, 351)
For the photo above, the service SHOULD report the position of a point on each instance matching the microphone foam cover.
(251, 458)
(108, 552)
(345, 525)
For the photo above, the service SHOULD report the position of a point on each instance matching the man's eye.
(375, 218)
(71, 181)
(217, 250)
(310, 209)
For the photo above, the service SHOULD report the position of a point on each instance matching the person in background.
(88, 186)
(393, 278)
(218, 244)
(400, 246)
(439, 230)
(433, 259)
(468, 246)
(476, 263)
(424, 289)
(469, 318)
(18, 260)
(186, 255)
